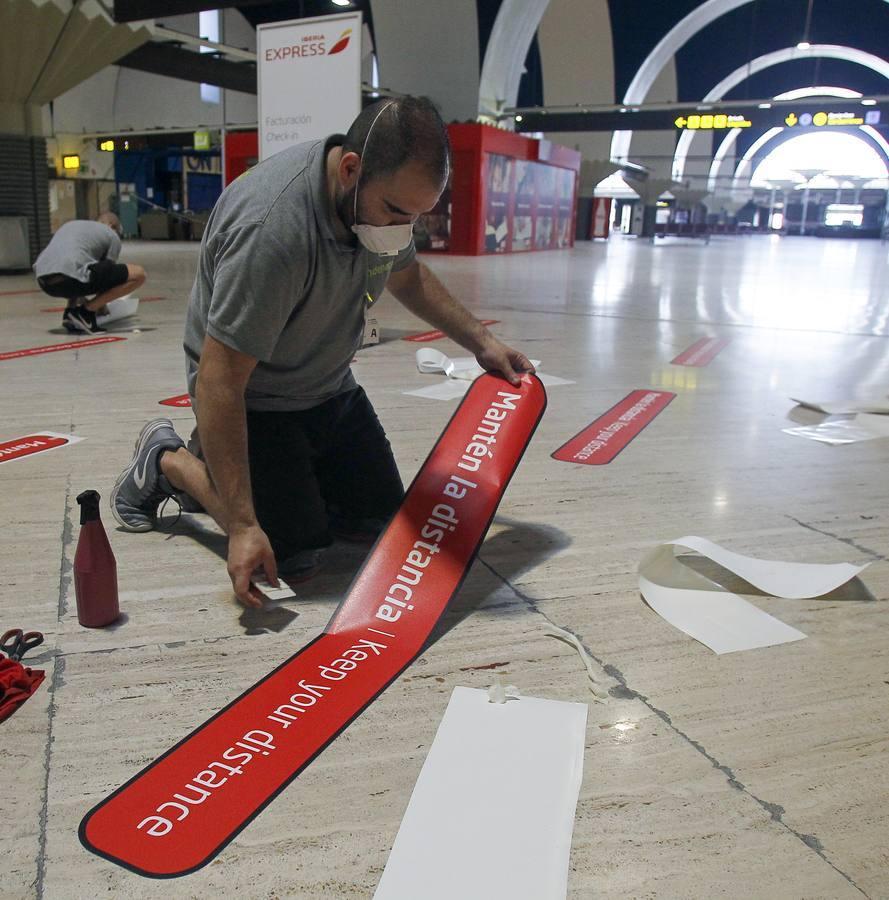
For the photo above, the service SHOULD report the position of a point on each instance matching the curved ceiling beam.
(767, 60)
(664, 51)
(796, 94)
(514, 29)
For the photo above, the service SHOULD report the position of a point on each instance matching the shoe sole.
(147, 430)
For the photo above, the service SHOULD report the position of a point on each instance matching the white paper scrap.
(283, 592)
(119, 309)
(723, 621)
(460, 371)
(492, 812)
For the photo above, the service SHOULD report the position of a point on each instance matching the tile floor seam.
(65, 575)
(847, 541)
(694, 322)
(775, 811)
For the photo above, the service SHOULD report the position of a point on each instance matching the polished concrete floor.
(754, 774)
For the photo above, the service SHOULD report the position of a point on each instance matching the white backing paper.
(119, 309)
(723, 621)
(863, 427)
(282, 592)
(492, 813)
(441, 390)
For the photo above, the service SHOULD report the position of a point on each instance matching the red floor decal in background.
(602, 440)
(54, 348)
(180, 400)
(179, 812)
(701, 353)
(34, 443)
(424, 336)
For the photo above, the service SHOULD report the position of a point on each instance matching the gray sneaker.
(141, 486)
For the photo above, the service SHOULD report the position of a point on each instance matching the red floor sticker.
(437, 335)
(701, 353)
(18, 293)
(54, 348)
(179, 812)
(601, 441)
(34, 443)
(181, 400)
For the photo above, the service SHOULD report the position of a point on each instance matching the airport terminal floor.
(758, 773)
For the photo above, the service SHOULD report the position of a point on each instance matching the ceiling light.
(765, 105)
(342, 2)
(803, 45)
(518, 118)
(868, 102)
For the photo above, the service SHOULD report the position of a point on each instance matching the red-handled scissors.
(15, 643)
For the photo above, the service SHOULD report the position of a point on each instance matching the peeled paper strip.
(492, 813)
(723, 621)
(845, 407)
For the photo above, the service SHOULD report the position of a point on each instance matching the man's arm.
(420, 291)
(222, 425)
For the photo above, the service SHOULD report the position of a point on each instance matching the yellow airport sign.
(711, 121)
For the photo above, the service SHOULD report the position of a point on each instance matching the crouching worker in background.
(80, 264)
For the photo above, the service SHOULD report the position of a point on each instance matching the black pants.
(104, 275)
(330, 467)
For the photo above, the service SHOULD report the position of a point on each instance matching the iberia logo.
(342, 43)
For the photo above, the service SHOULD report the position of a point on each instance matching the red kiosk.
(510, 193)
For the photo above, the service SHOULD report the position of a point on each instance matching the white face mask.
(384, 240)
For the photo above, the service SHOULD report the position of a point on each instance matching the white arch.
(831, 51)
(797, 93)
(665, 50)
(514, 29)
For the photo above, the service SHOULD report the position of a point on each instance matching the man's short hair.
(409, 129)
(111, 220)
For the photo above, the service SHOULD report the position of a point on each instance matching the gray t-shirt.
(75, 247)
(274, 283)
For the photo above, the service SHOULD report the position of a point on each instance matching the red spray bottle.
(95, 570)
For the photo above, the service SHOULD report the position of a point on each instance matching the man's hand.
(495, 356)
(248, 550)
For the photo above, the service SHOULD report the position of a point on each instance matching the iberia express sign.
(293, 59)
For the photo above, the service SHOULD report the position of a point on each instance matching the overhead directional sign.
(756, 116)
